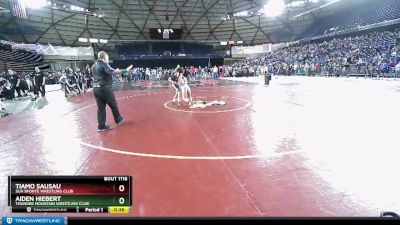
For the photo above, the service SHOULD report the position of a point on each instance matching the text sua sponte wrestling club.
(43, 200)
(41, 189)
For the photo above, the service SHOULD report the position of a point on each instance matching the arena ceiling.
(127, 21)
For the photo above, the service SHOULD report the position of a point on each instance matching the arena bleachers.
(20, 60)
(371, 54)
(160, 48)
(369, 12)
(198, 50)
(133, 50)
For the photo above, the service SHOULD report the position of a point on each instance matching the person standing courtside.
(39, 83)
(88, 77)
(102, 90)
(16, 83)
(13, 81)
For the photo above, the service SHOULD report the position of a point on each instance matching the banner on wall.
(51, 52)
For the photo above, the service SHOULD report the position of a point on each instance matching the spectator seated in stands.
(397, 70)
(340, 56)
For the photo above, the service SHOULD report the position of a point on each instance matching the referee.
(102, 90)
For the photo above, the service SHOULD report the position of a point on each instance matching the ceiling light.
(83, 40)
(274, 8)
(34, 4)
(93, 40)
(296, 3)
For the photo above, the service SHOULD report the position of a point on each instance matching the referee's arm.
(109, 70)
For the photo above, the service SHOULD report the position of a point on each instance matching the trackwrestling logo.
(33, 220)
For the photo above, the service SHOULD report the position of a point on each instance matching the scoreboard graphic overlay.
(70, 194)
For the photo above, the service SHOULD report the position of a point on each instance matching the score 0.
(121, 189)
(121, 200)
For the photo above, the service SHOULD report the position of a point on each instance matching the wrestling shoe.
(104, 128)
(120, 121)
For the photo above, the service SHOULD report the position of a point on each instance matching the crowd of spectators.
(75, 81)
(194, 73)
(15, 85)
(372, 54)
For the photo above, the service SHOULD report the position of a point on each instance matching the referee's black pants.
(105, 96)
